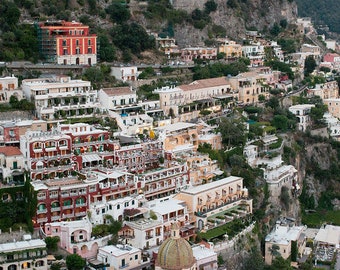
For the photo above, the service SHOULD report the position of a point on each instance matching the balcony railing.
(78, 214)
(41, 211)
(67, 206)
(54, 209)
(41, 220)
(124, 266)
(81, 204)
(54, 218)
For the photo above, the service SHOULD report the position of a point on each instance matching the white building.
(333, 124)
(61, 97)
(125, 74)
(117, 97)
(147, 231)
(114, 208)
(328, 235)
(301, 111)
(9, 87)
(26, 254)
(282, 236)
(206, 257)
(120, 257)
(278, 175)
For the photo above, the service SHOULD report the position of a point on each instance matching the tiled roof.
(117, 91)
(205, 83)
(10, 151)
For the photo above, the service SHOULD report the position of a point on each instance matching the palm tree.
(274, 251)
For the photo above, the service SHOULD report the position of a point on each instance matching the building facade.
(9, 87)
(67, 43)
(61, 97)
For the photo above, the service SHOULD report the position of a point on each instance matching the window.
(65, 52)
(89, 42)
(89, 50)
(77, 42)
(136, 257)
(118, 206)
(64, 42)
(77, 51)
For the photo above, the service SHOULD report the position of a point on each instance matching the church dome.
(175, 253)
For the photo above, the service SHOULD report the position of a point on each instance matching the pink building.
(190, 54)
(75, 237)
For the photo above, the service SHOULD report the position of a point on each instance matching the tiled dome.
(175, 253)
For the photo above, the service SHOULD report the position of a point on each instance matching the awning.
(218, 172)
(90, 158)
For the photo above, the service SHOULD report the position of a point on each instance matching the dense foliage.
(322, 12)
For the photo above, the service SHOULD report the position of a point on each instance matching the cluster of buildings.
(157, 185)
(82, 176)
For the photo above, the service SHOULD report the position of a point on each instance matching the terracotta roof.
(117, 91)
(10, 151)
(205, 83)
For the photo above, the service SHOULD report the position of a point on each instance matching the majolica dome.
(175, 253)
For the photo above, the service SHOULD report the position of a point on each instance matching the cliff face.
(245, 14)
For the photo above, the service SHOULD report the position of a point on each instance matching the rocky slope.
(248, 14)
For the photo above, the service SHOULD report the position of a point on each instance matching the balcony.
(124, 266)
(79, 214)
(37, 150)
(81, 204)
(55, 218)
(54, 209)
(41, 211)
(50, 148)
(41, 220)
(148, 237)
(67, 206)
(68, 215)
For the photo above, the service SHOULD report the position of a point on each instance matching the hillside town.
(138, 187)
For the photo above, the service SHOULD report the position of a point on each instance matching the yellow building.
(231, 49)
(178, 137)
(250, 85)
(216, 197)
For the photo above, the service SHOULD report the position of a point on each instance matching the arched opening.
(77, 61)
(12, 267)
(39, 263)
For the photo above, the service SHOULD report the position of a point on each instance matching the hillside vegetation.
(121, 25)
(322, 12)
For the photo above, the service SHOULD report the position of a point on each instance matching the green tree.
(280, 122)
(294, 251)
(13, 101)
(118, 12)
(233, 132)
(254, 261)
(210, 6)
(310, 65)
(274, 251)
(52, 243)
(55, 266)
(280, 263)
(275, 30)
(75, 262)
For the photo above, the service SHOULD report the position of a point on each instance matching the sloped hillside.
(321, 12)
(190, 22)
